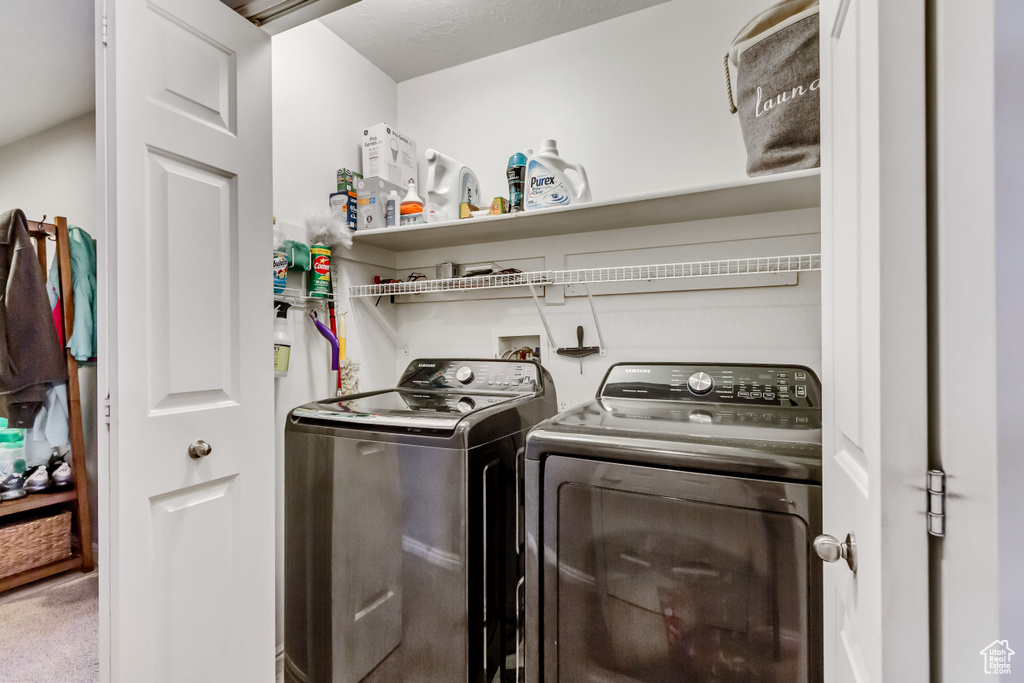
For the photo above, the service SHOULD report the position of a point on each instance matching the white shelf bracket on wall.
(597, 323)
(543, 318)
(386, 326)
(547, 328)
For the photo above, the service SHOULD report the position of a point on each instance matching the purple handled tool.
(329, 336)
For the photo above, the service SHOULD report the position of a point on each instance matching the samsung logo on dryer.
(426, 365)
(643, 370)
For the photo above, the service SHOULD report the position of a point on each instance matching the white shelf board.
(766, 194)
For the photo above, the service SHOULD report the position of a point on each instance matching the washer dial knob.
(700, 383)
(464, 374)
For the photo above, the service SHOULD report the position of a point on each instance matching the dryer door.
(660, 575)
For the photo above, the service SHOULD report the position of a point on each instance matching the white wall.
(324, 93)
(976, 313)
(1009, 213)
(639, 100)
(54, 173)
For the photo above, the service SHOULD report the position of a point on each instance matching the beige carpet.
(52, 636)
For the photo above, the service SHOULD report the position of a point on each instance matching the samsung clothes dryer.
(669, 529)
(400, 525)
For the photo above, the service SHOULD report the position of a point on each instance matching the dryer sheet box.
(388, 155)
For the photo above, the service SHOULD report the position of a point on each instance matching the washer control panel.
(785, 386)
(490, 376)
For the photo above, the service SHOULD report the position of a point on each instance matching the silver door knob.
(831, 550)
(199, 449)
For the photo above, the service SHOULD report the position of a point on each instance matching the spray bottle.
(282, 342)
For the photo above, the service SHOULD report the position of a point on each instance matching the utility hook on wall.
(600, 349)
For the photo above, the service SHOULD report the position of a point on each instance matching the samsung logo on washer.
(644, 370)
(426, 365)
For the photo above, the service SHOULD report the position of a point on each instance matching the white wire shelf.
(585, 276)
(300, 299)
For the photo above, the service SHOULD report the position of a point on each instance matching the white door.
(874, 341)
(185, 129)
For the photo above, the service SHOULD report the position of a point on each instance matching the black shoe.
(13, 487)
(59, 470)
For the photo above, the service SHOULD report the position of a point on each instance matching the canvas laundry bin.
(777, 88)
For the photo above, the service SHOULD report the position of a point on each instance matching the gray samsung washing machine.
(669, 529)
(401, 520)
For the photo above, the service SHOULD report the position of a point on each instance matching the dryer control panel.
(488, 376)
(785, 386)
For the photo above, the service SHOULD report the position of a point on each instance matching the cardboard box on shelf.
(371, 193)
(347, 180)
(388, 155)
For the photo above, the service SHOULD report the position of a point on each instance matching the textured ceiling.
(46, 62)
(408, 39)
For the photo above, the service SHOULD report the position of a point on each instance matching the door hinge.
(103, 33)
(936, 503)
(106, 409)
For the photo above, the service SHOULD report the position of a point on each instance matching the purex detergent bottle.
(550, 180)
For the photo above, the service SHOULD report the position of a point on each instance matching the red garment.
(58, 320)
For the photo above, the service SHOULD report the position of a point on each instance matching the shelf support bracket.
(386, 326)
(597, 323)
(543, 318)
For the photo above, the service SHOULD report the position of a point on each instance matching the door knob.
(831, 550)
(199, 448)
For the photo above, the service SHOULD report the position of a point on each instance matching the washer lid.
(401, 408)
(761, 441)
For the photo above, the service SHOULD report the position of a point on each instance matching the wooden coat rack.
(77, 499)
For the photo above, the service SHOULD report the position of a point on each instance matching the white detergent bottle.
(449, 184)
(553, 181)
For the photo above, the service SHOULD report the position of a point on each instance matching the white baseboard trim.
(279, 664)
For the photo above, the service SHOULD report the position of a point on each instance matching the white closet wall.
(639, 100)
(54, 172)
(323, 94)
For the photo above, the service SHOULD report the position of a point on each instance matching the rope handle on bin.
(728, 86)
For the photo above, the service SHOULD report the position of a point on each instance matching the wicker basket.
(34, 542)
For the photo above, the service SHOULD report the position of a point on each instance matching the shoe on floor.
(37, 479)
(59, 470)
(13, 486)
